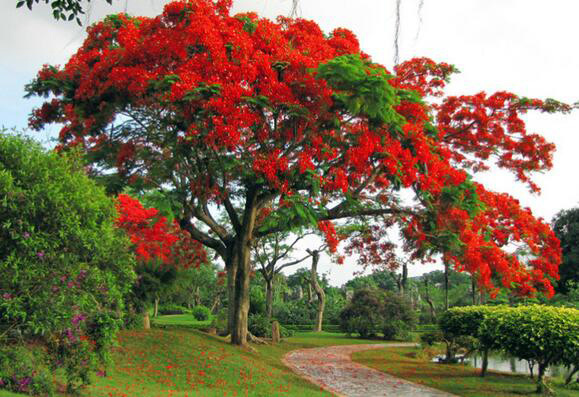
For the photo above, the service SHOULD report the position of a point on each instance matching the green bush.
(376, 311)
(219, 321)
(74, 267)
(24, 370)
(201, 313)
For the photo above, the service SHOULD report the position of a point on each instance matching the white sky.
(524, 46)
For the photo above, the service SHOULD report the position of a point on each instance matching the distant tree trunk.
(197, 297)
(429, 301)
(319, 291)
(446, 285)
(146, 320)
(473, 289)
(269, 297)
(404, 281)
(310, 293)
(156, 307)
(215, 304)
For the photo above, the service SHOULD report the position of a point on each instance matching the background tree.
(247, 116)
(566, 228)
(272, 254)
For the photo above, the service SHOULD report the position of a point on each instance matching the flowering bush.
(65, 266)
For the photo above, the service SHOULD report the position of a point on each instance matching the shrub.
(374, 311)
(170, 309)
(219, 321)
(74, 265)
(23, 370)
(260, 326)
(544, 334)
(201, 313)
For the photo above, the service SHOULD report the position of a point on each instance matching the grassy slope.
(456, 379)
(187, 362)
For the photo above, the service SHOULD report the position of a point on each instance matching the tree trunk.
(570, 376)
(239, 272)
(404, 280)
(216, 301)
(540, 378)
(197, 296)
(473, 289)
(269, 297)
(319, 291)
(446, 270)
(146, 320)
(485, 362)
(156, 307)
(429, 301)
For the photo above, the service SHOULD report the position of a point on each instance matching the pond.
(498, 362)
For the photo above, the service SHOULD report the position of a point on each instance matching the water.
(501, 363)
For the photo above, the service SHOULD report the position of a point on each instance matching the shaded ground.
(332, 368)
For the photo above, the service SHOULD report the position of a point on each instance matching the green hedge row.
(309, 327)
(543, 335)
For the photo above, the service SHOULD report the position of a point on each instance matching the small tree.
(541, 334)
(374, 311)
(65, 268)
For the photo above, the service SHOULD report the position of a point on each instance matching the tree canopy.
(278, 126)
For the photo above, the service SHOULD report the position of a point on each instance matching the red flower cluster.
(154, 238)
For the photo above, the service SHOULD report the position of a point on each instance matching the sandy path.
(331, 368)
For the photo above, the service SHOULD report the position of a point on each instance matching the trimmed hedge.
(309, 327)
(545, 335)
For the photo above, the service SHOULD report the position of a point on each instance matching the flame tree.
(279, 126)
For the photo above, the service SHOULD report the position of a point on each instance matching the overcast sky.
(524, 46)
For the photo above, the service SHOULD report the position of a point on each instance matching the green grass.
(186, 320)
(458, 379)
(186, 362)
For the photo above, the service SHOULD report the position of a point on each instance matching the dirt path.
(331, 368)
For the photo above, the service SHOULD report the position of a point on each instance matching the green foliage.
(201, 313)
(430, 338)
(566, 228)
(65, 268)
(362, 89)
(65, 10)
(260, 326)
(24, 370)
(374, 311)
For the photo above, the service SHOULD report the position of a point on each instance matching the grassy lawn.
(457, 379)
(186, 362)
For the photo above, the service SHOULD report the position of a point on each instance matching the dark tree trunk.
(318, 290)
(404, 280)
(239, 272)
(485, 362)
(540, 378)
(269, 297)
